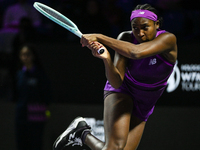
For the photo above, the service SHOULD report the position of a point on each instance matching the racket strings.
(56, 15)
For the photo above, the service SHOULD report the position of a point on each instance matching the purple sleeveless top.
(145, 80)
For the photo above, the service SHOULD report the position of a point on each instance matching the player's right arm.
(114, 71)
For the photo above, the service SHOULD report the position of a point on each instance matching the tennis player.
(144, 59)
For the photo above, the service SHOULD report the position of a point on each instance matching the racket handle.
(101, 51)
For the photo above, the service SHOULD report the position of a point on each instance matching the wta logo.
(188, 76)
(174, 79)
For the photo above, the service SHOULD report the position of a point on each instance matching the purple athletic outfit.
(145, 80)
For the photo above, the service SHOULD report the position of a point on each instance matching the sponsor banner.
(97, 128)
(185, 76)
(183, 86)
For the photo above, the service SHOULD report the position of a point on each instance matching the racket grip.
(101, 50)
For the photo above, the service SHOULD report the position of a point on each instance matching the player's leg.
(136, 130)
(94, 143)
(122, 129)
(117, 114)
(135, 134)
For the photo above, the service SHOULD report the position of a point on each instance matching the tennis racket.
(60, 19)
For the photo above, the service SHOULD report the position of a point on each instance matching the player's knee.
(115, 145)
(120, 144)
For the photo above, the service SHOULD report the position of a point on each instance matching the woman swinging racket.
(144, 59)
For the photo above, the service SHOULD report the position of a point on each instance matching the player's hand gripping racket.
(60, 19)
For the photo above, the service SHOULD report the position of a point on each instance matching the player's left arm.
(163, 44)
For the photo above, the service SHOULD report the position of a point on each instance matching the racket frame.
(73, 28)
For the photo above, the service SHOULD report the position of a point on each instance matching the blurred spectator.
(3, 5)
(32, 96)
(11, 22)
(26, 34)
(15, 12)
